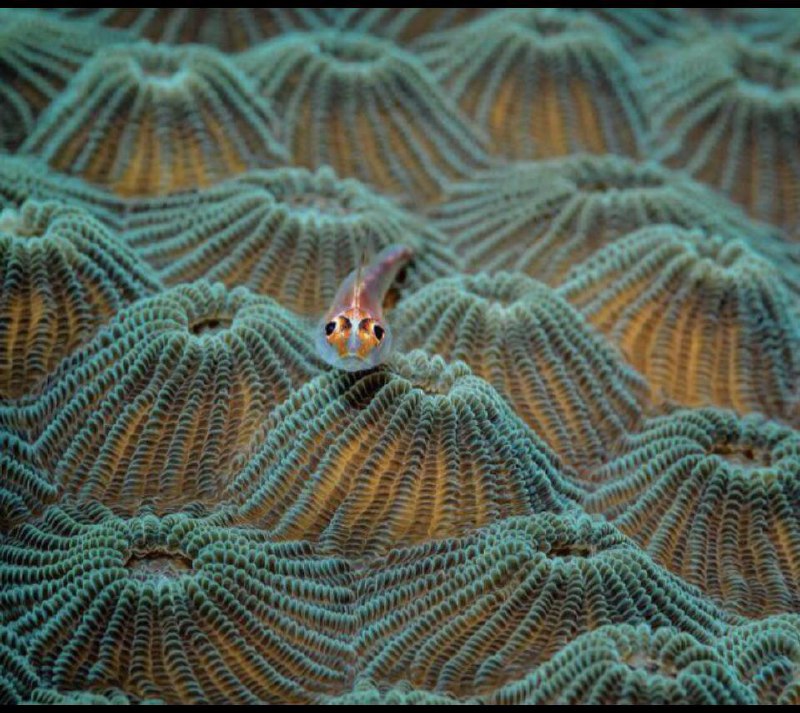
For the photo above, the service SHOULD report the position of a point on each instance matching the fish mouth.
(354, 362)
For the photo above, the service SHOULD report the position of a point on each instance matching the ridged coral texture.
(566, 241)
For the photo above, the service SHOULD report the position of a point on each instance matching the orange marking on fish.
(353, 335)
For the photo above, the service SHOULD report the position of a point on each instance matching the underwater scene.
(399, 356)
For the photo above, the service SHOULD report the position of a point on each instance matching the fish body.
(353, 335)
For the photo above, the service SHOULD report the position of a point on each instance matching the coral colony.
(399, 355)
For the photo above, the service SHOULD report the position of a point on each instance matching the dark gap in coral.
(547, 26)
(618, 182)
(573, 549)
(346, 52)
(742, 454)
(157, 65)
(324, 204)
(158, 563)
(765, 71)
(210, 325)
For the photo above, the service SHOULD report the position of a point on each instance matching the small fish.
(353, 335)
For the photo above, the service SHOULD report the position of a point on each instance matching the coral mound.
(728, 112)
(544, 83)
(542, 218)
(705, 319)
(715, 498)
(367, 109)
(175, 609)
(421, 450)
(558, 375)
(466, 616)
(150, 119)
(289, 233)
(155, 408)
(62, 275)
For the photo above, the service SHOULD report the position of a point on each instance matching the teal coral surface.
(574, 479)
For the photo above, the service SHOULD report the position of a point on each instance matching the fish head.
(353, 340)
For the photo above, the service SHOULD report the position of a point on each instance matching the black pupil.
(330, 328)
(378, 332)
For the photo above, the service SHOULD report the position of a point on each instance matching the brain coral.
(148, 119)
(288, 233)
(228, 29)
(38, 56)
(544, 217)
(728, 112)
(543, 83)
(466, 616)
(62, 274)
(157, 405)
(368, 109)
(715, 498)
(361, 462)
(536, 350)
(703, 318)
(630, 665)
(175, 608)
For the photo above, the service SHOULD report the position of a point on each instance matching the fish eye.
(330, 328)
(378, 331)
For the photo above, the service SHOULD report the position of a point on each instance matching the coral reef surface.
(571, 474)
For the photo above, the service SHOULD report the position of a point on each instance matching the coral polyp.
(543, 218)
(466, 616)
(715, 498)
(368, 109)
(176, 609)
(158, 405)
(536, 351)
(728, 111)
(422, 450)
(62, 275)
(707, 321)
(544, 83)
(150, 119)
(290, 233)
